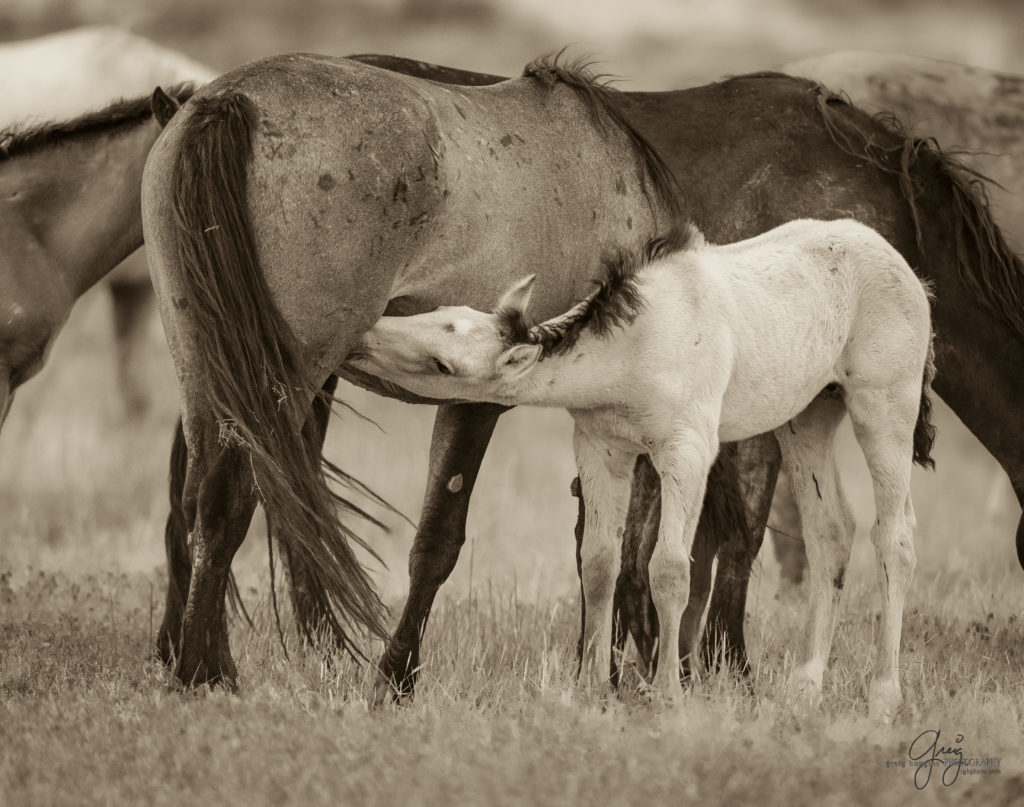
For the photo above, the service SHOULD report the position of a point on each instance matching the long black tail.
(256, 381)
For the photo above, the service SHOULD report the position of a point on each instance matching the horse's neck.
(81, 200)
(589, 375)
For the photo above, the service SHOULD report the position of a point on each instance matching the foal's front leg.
(683, 463)
(606, 474)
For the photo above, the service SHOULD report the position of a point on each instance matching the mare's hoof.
(198, 674)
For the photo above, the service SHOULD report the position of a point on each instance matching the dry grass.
(88, 717)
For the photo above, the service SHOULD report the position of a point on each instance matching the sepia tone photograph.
(440, 402)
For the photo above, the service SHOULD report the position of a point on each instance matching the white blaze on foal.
(689, 345)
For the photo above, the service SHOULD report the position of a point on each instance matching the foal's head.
(454, 351)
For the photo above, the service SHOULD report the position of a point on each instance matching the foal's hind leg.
(807, 443)
(884, 425)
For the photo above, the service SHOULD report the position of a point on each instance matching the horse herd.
(290, 204)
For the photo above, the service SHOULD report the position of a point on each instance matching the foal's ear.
(518, 359)
(163, 106)
(517, 297)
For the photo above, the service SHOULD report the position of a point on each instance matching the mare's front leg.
(683, 463)
(219, 500)
(606, 475)
(460, 438)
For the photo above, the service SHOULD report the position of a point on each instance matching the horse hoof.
(805, 686)
(883, 701)
(202, 675)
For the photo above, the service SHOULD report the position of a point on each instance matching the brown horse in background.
(749, 153)
(977, 113)
(61, 76)
(70, 214)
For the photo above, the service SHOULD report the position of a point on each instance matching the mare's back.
(430, 194)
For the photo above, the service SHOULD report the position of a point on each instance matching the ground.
(87, 716)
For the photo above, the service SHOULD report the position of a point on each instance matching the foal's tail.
(252, 364)
(924, 429)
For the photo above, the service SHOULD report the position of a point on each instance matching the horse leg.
(884, 424)
(784, 519)
(179, 559)
(722, 514)
(605, 479)
(683, 465)
(460, 438)
(749, 486)
(219, 499)
(133, 306)
(808, 455)
(634, 613)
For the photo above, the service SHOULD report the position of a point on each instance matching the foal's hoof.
(805, 687)
(883, 701)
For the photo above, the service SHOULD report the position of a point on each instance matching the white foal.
(785, 332)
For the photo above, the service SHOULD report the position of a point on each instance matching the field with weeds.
(87, 716)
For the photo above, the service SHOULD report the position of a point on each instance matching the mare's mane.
(616, 300)
(992, 273)
(604, 101)
(18, 141)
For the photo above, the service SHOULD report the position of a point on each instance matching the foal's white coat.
(731, 341)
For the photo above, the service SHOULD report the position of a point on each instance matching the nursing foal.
(786, 331)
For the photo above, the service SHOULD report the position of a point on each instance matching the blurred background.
(83, 488)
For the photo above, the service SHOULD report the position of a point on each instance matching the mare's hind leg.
(179, 560)
(808, 456)
(884, 425)
(219, 499)
(133, 304)
(606, 476)
(460, 438)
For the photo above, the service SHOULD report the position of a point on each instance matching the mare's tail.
(252, 364)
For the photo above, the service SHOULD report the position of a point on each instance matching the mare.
(975, 112)
(689, 345)
(749, 153)
(63, 75)
(70, 196)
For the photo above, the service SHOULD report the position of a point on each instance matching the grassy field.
(88, 717)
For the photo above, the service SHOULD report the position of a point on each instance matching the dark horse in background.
(747, 153)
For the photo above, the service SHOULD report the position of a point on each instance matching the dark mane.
(17, 141)
(606, 102)
(615, 301)
(990, 270)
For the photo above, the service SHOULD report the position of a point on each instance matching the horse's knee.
(669, 572)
